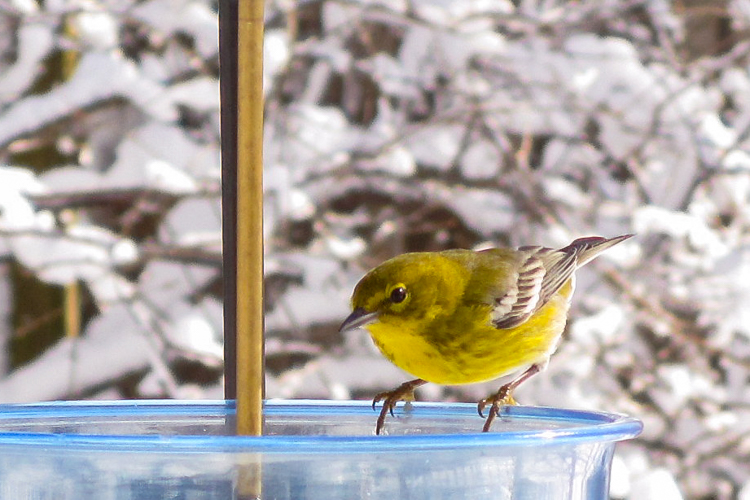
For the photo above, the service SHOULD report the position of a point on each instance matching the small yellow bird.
(462, 316)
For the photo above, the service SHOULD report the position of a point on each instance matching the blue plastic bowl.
(311, 450)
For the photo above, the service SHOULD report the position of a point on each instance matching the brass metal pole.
(250, 378)
(72, 291)
(72, 301)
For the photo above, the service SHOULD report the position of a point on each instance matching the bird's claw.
(501, 398)
(390, 399)
(404, 392)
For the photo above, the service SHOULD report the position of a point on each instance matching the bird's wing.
(521, 299)
(541, 274)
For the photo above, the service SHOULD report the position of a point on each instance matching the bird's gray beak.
(358, 318)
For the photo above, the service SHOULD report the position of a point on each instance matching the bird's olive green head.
(412, 286)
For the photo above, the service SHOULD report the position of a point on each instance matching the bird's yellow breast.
(465, 348)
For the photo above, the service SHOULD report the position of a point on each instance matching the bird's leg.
(404, 392)
(504, 396)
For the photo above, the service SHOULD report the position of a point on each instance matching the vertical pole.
(72, 291)
(228, 89)
(250, 350)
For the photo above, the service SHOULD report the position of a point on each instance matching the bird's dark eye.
(398, 295)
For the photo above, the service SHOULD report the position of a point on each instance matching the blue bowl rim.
(591, 427)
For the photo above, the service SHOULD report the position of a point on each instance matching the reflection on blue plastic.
(311, 449)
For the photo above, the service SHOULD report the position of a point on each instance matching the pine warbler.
(461, 316)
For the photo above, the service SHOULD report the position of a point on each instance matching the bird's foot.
(404, 392)
(503, 397)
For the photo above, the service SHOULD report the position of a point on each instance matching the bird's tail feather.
(589, 247)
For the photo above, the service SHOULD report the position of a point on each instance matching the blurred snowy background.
(392, 126)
